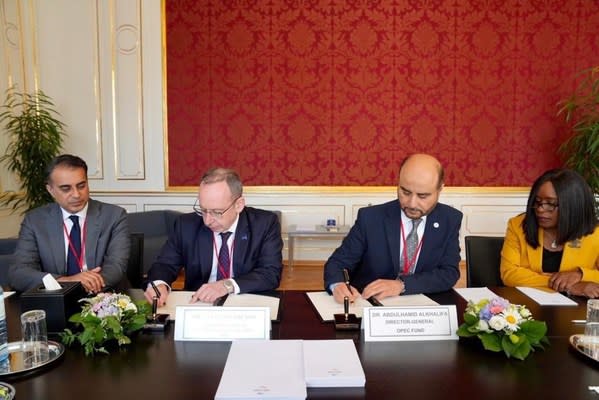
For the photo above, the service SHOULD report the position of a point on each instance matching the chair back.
(135, 266)
(155, 225)
(7, 257)
(483, 257)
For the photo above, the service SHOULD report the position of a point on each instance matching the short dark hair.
(576, 207)
(65, 160)
(224, 174)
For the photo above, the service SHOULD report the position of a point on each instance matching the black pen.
(155, 301)
(155, 290)
(375, 302)
(346, 277)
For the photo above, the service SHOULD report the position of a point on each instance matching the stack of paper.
(263, 370)
(332, 363)
(283, 369)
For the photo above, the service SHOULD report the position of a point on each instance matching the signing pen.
(155, 289)
(579, 321)
(346, 278)
(155, 301)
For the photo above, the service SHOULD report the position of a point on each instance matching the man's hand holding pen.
(341, 291)
(159, 291)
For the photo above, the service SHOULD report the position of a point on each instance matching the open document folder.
(327, 307)
(182, 298)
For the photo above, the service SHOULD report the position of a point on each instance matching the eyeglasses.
(544, 206)
(214, 214)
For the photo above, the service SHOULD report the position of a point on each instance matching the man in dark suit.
(384, 258)
(100, 257)
(225, 247)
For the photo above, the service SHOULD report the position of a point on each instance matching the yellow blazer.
(521, 265)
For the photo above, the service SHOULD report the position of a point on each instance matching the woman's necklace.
(554, 244)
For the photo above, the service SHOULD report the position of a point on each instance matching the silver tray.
(15, 356)
(10, 391)
(586, 347)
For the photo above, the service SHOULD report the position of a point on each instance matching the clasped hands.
(570, 282)
(379, 289)
(91, 280)
(565, 281)
(207, 293)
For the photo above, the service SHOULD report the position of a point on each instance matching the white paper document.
(547, 297)
(332, 363)
(269, 369)
(409, 300)
(475, 294)
(254, 300)
(182, 297)
(179, 298)
(327, 307)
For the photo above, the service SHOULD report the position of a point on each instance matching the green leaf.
(519, 350)
(490, 341)
(534, 330)
(464, 331)
(35, 138)
(470, 319)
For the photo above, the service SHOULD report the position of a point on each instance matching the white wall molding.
(485, 212)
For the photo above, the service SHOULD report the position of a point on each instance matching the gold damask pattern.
(309, 92)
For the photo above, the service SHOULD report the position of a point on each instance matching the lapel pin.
(244, 237)
(436, 225)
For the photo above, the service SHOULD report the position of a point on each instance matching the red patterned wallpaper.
(336, 93)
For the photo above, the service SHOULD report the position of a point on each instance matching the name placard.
(410, 323)
(221, 323)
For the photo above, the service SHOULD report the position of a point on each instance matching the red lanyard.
(407, 264)
(79, 256)
(222, 267)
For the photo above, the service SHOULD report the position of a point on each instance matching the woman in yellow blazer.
(555, 243)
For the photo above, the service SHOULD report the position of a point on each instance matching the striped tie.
(224, 260)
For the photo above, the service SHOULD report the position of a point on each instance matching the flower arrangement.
(106, 317)
(501, 325)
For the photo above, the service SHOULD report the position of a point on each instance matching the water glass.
(35, 338)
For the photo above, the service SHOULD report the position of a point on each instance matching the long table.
(155, 366)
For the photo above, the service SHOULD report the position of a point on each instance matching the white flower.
(524, 312)
(131, 307)
(483, 326)
(512, 319)
(497, 322)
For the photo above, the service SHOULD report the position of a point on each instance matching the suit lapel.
(205, 250)
(393, 235)
(535, 256)
(57, 238)
(430, 236)
(92, 226)
(242, 240)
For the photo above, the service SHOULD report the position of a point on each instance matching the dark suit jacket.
(371, 250)
(41, 246)
(257, 259)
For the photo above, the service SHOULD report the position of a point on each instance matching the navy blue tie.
(224, 260)
(73, 266)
